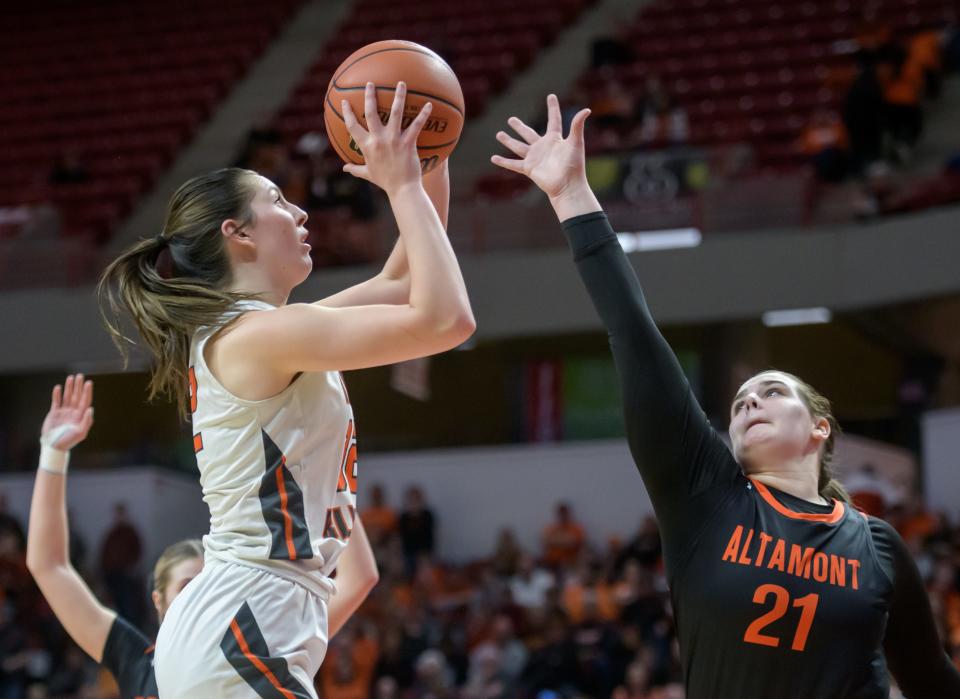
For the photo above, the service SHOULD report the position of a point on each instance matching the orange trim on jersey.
(831, 518)
(197, 443)
(257, 663)
(287, 521)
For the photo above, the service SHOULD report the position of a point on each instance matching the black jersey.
(128, 654)
(775, 597)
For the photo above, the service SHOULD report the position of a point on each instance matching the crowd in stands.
(568, 620)
(885, 86)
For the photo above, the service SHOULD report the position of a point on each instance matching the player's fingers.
(517, 147)
(86, 399)
(554, 122)
(360, 171)
(370, 113)
(577, 125)
(55, 397)
(77, 396)
(508, 163)
(67, 390)
(416, 126)
(396, 111)
(353, 126)
(526, 133)
(87, 421)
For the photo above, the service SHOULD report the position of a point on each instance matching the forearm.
(48, 558)
(392, 285)
(437, 186)
(356, 576)
(437, 289)
(48, 538)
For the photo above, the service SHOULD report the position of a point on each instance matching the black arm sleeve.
(678, 454)
(127, 655)
(912, 646)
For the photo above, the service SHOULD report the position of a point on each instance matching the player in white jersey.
(273, 426)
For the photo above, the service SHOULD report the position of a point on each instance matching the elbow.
(371, 580)
(459, 327)
(449, 330)
(39, 567)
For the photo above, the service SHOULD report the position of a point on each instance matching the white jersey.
(279, 475)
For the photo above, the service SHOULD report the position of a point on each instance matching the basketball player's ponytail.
(819, 406)
(168, 308)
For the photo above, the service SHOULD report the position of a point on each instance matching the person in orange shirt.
(826, 143)
(925, 50)
(563, 539)
(379, 518)
(347, 672)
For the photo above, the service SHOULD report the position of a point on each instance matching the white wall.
(165, 507)
(941, 460)
(474, 493)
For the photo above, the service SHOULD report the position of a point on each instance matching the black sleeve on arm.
(912, 645)
(127, 655)
(678, 453)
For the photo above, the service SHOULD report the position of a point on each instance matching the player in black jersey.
(781, 589)
(100, 632)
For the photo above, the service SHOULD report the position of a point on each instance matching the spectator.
(903, 85)
(507, 554)
(563, 539)
(511, 654)
(433, 677)
(661, 120)
(379, 518)
(825, 142)
(119, 555)
(529, 587)
(416, 529)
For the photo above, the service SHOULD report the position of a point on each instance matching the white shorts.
(237, 632)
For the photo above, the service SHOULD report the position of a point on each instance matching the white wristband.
(54, 460)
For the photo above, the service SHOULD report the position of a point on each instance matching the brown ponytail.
(168, 310)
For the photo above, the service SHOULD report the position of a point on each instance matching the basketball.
(428, 79)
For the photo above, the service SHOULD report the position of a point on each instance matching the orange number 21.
(781, 602)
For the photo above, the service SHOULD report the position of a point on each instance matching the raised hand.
(71, 414)
(389, 152)
(554, 163)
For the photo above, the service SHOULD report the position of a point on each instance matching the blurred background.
(786, 175)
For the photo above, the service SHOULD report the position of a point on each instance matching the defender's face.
(770, 423)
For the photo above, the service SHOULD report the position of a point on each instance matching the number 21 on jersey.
(781, 603)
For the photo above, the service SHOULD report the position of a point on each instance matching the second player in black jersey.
(781, 589)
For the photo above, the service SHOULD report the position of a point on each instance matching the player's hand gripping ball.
(428, 79)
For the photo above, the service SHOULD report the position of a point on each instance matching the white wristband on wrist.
(54, 460)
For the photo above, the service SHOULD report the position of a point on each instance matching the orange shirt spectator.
(825, 131)
(577, 597)
(347, 671)
(379, 519)
(563, 539)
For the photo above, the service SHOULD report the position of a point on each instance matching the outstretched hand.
(554, 163)
(71, 414)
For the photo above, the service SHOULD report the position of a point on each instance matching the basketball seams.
(411, 49)
(420, 59)
(333, 141)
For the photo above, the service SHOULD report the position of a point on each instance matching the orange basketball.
(428, 79)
